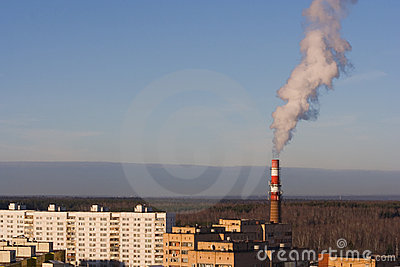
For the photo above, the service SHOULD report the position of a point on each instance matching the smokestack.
(275, 193)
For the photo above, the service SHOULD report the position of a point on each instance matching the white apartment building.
(97, 236)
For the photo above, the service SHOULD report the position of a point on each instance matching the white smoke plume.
(323, 59)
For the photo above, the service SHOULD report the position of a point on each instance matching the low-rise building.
(226, 254)
(22, 251)
(227, 243)
(242, 226)
(183, 239)
(277, 235)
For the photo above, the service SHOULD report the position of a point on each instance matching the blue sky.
(189, 82)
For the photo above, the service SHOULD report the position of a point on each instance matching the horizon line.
(186, 164)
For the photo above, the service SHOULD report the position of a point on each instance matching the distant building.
(97, 237)
(326, 260)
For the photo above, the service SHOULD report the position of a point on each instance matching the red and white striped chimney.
(275, 193)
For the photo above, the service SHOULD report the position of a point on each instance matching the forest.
(317, 224)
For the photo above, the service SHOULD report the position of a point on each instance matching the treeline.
(372, 225)
(317, 224)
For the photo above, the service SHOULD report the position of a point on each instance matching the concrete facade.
(133, 238)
